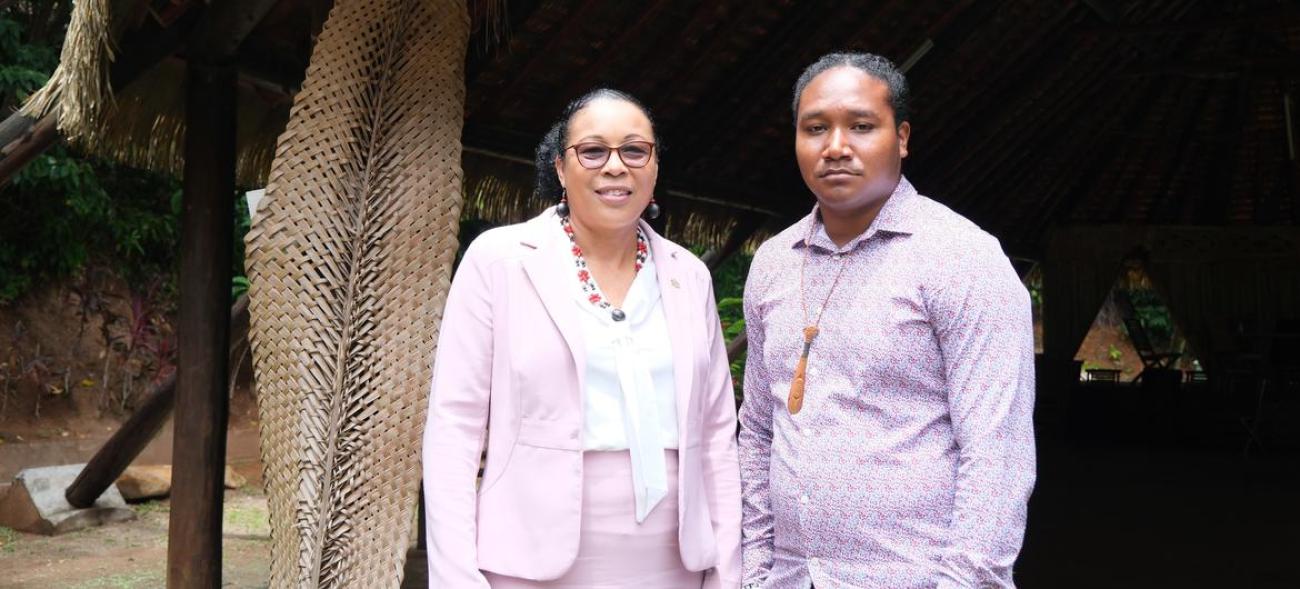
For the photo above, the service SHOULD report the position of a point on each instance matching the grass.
(150, 507)
(8, 539)
(246, 520)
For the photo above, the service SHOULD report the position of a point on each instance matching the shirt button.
(803, 499)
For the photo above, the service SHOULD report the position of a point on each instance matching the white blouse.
(630, 400)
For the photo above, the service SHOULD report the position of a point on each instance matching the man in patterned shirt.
(886, 434)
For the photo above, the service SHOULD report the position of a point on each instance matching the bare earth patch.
(133, 555)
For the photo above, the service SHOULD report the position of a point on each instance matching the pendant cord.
(797, 384)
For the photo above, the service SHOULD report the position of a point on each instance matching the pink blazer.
(511, 341)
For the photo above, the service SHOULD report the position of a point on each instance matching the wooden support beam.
(31, 142)
(221, 31)
(741, 233)
(14, 128)
(202, 404)
(131, 438)
(737, 346)
(147, 46)
(126, 444)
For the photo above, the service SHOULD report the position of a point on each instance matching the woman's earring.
(562, 209)
(652, 211)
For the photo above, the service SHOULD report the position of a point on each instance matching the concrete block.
(35, 503)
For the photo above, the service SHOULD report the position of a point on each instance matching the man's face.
(849, 149)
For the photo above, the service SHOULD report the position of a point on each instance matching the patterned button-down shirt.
(912, 460)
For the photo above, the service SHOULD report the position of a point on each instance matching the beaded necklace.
(589, 287)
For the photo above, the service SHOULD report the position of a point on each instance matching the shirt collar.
(899, 215)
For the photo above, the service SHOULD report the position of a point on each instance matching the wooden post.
(743, 230)
(207, 236)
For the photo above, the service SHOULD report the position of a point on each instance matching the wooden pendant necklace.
(795, 401)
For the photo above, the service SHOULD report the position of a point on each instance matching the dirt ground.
(133, 555)
(72, 365)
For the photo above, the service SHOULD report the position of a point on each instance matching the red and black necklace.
(589, 287)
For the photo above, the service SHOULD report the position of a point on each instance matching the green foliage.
(8, 540)
(1151, 310)
(729, 287)
(24, 67)
(151, 507)
(238, 287)
(64, 209)
(239, 280)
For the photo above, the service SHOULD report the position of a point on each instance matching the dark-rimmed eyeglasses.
(593, 155)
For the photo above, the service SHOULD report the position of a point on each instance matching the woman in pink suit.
(585, 351)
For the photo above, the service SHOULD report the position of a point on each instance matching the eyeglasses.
(592, 155)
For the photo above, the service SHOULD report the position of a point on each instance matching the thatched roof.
(1027, 114)
(142, 50)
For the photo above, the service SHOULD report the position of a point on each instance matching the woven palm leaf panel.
(349, 266)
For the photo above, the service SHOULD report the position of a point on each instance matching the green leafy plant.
(238, 287)
(63, 209)
(8, 539)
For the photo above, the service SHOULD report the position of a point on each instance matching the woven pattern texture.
(349, 265)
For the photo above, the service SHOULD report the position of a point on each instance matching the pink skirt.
(614, 551)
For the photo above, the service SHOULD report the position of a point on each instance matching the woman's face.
(612, 196)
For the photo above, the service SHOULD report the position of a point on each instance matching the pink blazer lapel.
(550, 271)
(678, 305)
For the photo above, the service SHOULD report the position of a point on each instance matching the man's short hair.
(869, 63)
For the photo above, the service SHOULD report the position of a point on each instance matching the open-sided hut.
(1079, 132)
